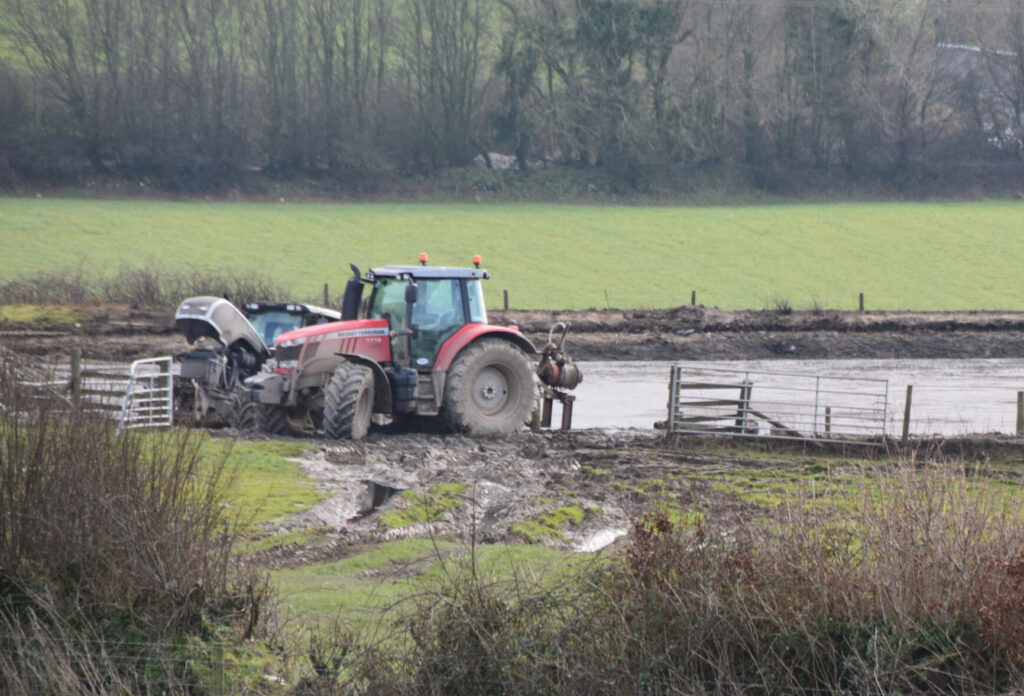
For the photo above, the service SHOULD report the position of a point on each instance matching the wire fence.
(779, 405)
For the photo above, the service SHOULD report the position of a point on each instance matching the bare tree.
(441, 56)
(59, 48)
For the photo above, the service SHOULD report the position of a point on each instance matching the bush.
(112, 547)
(139, 286)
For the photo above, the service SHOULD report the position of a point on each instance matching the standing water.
(950, 397)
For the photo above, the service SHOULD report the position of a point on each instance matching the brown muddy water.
(950, 397)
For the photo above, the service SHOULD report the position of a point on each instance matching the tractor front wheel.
(489, 389)
(348, 402)
(251, 417)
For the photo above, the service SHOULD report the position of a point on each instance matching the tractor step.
(426, 395)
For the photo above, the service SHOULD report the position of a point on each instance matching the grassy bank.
(885, 575)
(941, 256)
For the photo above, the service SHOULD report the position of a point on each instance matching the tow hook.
(558, 375)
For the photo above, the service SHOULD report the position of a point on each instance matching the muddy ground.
(575, 490)
(528, 486)
(120, 332)
(572, 490)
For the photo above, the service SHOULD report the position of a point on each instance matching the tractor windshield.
(271, 324)
(388, 300)
(439, 311)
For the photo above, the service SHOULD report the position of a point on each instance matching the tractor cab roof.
(426, 272)
(251, 308)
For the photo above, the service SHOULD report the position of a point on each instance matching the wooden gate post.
(76, 375)
(906, 416)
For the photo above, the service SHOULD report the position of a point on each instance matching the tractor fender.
(472, 332)
(381, 383)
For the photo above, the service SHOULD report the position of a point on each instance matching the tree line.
(203, 91)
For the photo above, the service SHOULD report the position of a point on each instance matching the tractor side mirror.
(411, 293)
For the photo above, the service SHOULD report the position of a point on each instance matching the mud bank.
(121, 332)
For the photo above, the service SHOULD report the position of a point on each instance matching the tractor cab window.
(475, 295)
(437, 314)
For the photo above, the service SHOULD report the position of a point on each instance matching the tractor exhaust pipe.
(353, 295)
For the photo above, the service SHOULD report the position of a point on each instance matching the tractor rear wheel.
(348, 402)
(489, 389)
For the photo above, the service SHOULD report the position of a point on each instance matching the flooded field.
(950, 397)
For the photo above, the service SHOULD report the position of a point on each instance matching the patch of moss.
(310, 536)
(424, 507)
(684, 519)
(43, 316)
(552, 525)
(624, 487)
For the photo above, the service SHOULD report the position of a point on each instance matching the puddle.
(950, 397)
(600, 539)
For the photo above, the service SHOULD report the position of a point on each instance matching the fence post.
(218, 670)
(744, 406)
(862, 302)
(1020, 413)
(327, 302)
(828, 421)
(76, 375)
(693, 298)
(906, 416)
(673, 397)
(505, 292)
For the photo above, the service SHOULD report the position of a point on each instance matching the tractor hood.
(218, 319)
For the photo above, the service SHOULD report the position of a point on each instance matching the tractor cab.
(271, 319)
(442, 302)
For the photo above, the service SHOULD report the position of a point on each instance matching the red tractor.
(422, 348)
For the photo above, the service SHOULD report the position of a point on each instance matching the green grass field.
(900, 255)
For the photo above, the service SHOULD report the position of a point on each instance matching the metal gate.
(786, 406)
(149, 396)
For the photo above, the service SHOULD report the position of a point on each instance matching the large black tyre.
(253, 417)
(348, 402)
(490, 388)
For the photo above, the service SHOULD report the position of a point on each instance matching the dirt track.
(118, 332)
